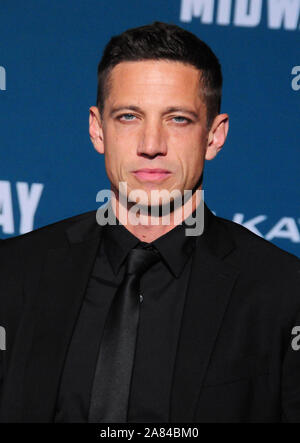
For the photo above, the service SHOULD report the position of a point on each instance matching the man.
(207, 330)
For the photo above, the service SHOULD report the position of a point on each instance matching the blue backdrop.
(49, 51)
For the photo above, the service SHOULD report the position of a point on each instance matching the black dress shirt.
(163, 287)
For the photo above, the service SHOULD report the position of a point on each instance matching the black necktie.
(111, 386)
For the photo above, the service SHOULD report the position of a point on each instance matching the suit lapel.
(208, 294)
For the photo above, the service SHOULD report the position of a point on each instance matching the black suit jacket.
(235, 361)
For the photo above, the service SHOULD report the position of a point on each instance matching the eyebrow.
(167, 110)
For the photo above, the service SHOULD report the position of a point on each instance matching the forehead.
(154, 80)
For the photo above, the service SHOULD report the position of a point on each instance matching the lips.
(148, 174)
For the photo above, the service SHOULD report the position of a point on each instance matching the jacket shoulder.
(249, 243)
(268, 277)
(262, 264)
(49, 236)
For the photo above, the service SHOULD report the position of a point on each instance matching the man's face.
(154, 118)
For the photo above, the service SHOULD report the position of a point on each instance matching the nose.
(153, 140)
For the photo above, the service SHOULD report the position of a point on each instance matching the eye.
(181, 119)
(126, 117)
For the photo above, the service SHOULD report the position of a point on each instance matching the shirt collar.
(175, 247)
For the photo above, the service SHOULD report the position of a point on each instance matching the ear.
(217, 135)
(95, 129)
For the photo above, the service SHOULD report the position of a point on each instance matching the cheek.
(119, 146)
(116, 163)
(190, 155)
(112, 148)
(192, 162)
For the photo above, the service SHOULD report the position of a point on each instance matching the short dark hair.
(162, 41)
